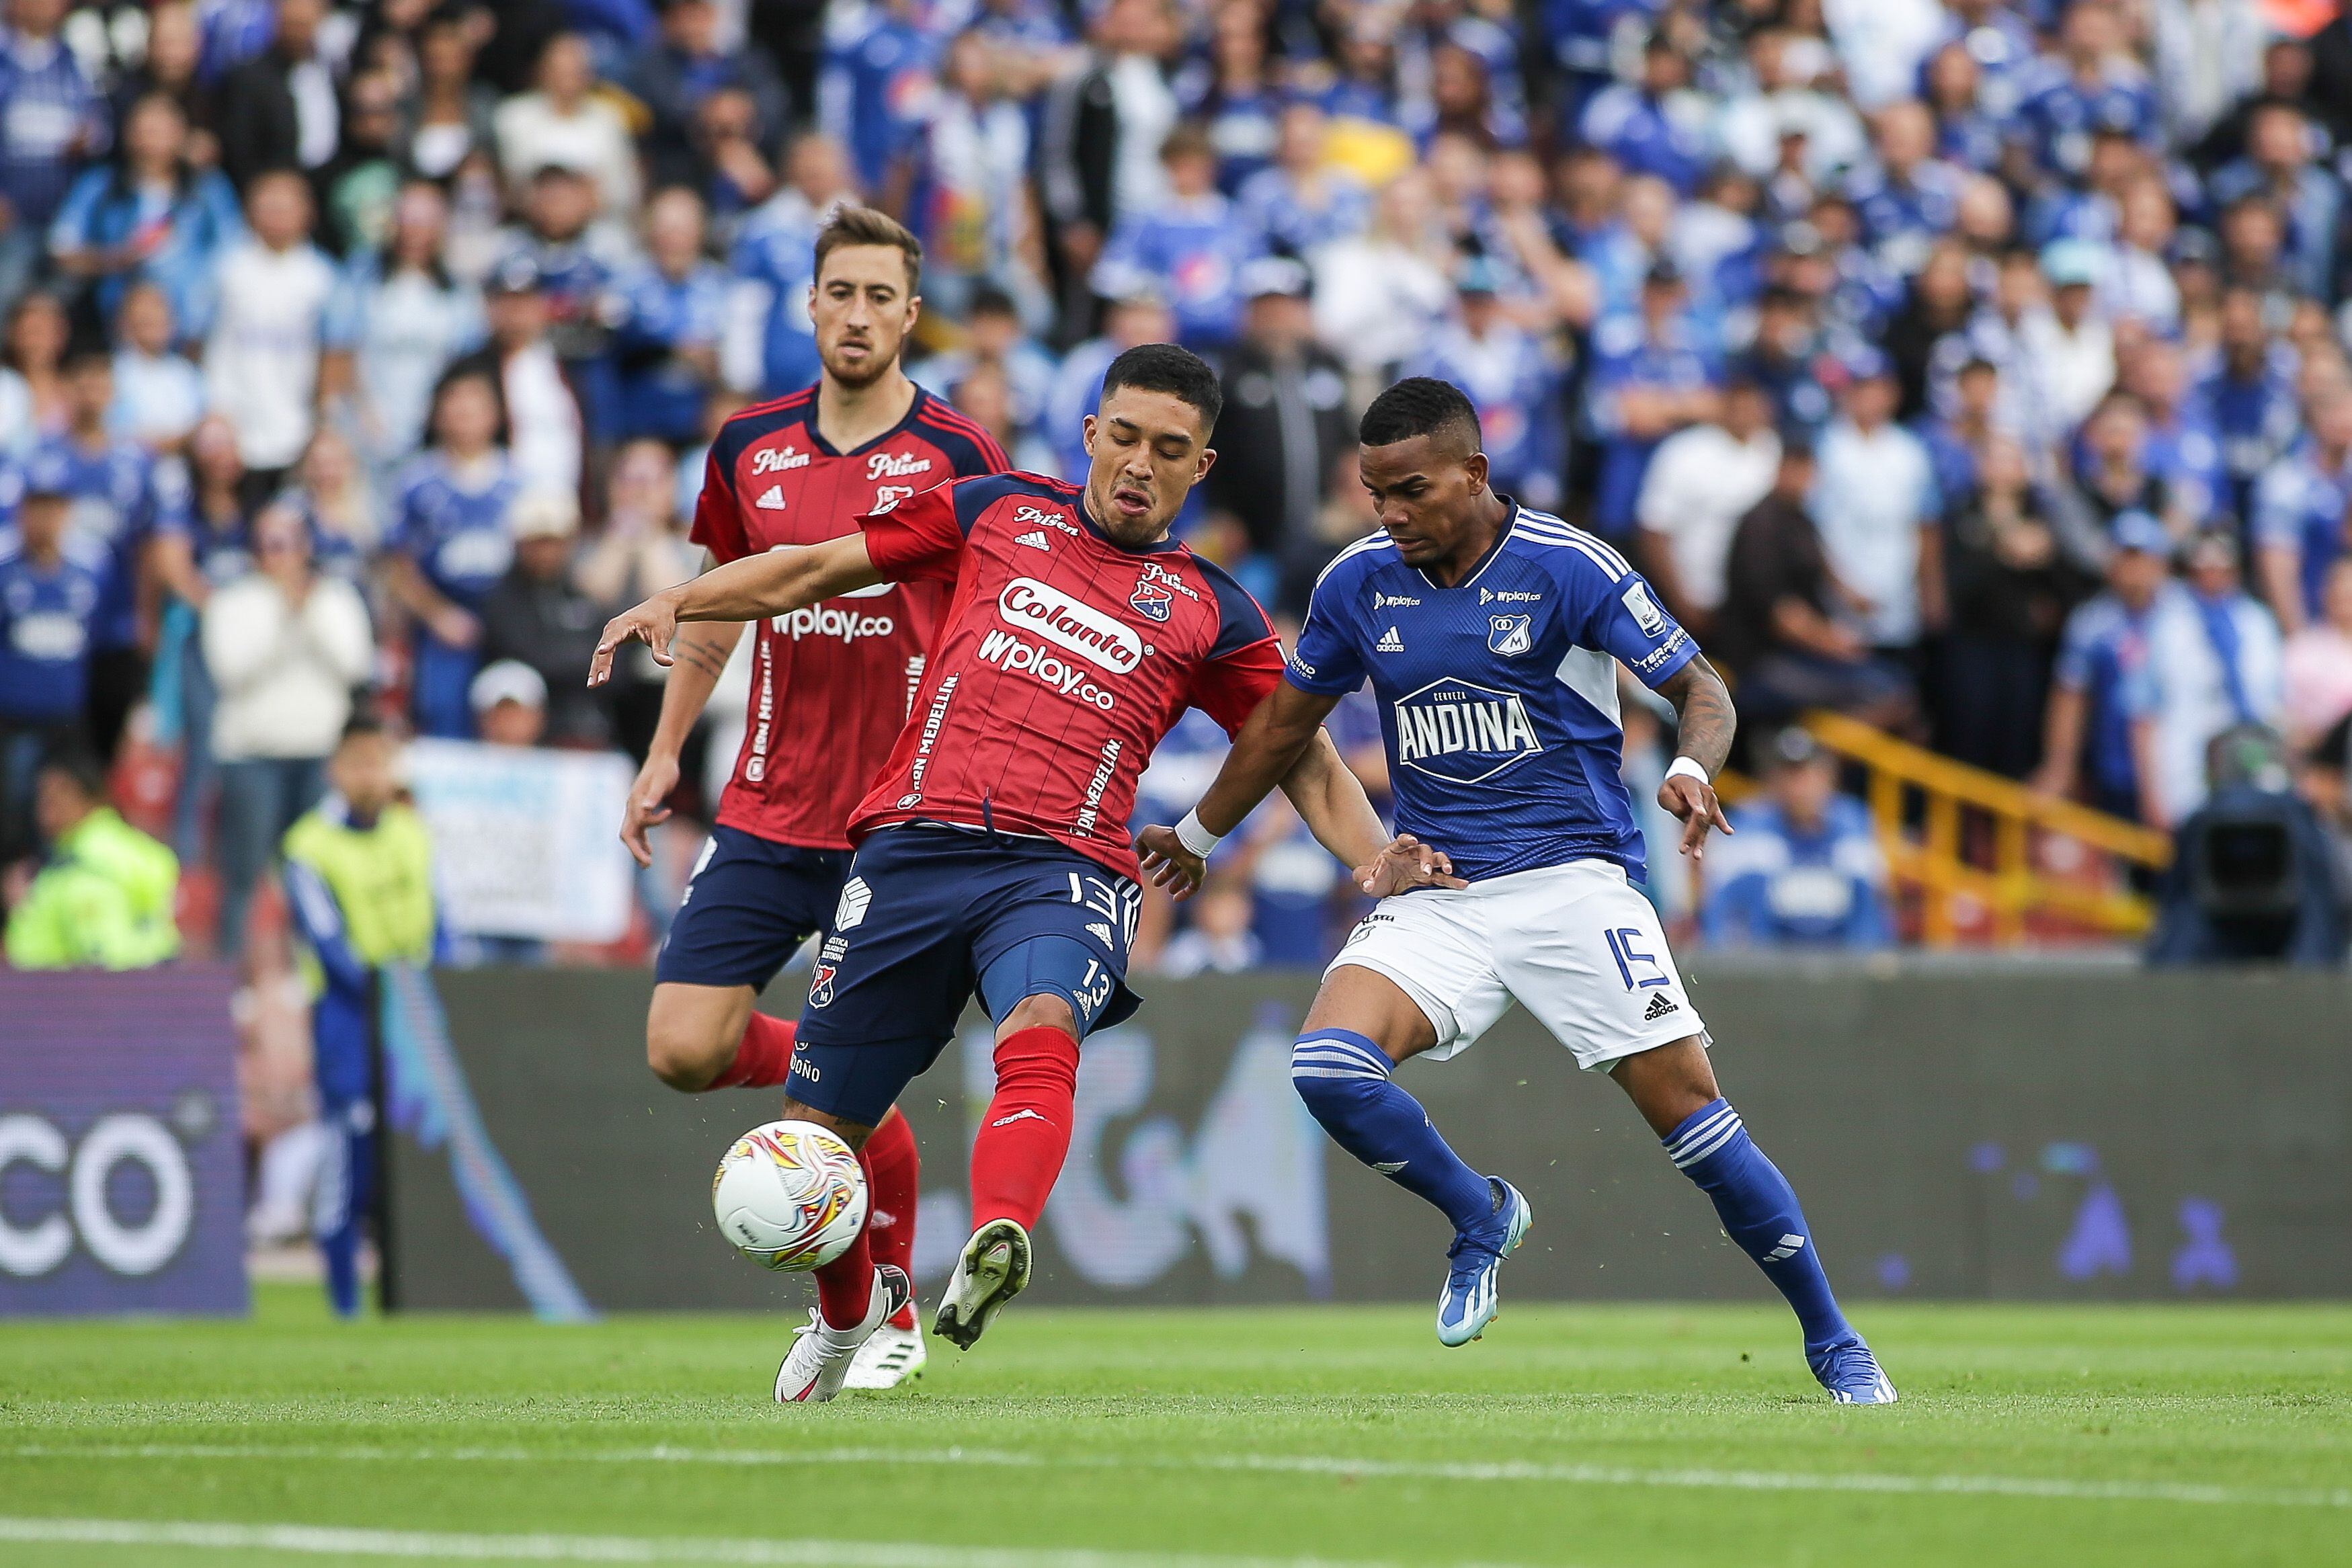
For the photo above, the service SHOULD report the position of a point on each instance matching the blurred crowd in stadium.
(1976, 367)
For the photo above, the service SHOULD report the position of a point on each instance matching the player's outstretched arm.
(1331, 800)
(1283, 743)
(1704, 704)
(775, 583)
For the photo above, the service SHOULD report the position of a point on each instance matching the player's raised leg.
(1361, 1025)
(1674, 1087)
(700, 1037)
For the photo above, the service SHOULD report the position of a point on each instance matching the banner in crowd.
(2050, 1133)
(121, 1162)
(523, 838)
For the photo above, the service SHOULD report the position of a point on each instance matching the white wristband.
(1682, 767)
(1196, 838)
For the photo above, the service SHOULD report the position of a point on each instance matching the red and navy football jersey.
(830, 683)
(1061, 662)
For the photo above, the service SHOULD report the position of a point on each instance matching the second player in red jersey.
(992, 856)
(829, 691)
(830, 681)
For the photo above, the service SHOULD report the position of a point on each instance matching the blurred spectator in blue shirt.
(668, 316)
(1955, 84)
(576, 256)
(2249, 398)
(1237, 98)
(1783, 358)
(1656, 125)
(50, 118)
(450, 546)
(1302, 203)
(773, 342)
(120, 493)
(2300, 507)
(159, 394)
(1190, 244)
(51, 589)
(1908, 197)
(2089, 85)
(2279, 164)
(682, 68)
(1511, 381)
(1804, 868)
(994, 337)
(879, 75)
(1650, 377)
(150, 215)
(2100, 729)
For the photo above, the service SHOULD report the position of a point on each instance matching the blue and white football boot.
(1469, 1302)
(1850, 1374)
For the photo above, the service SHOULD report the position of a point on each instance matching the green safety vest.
(104, 901)
(381, 877)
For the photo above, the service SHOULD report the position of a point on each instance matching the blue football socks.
(1344, 1079)
(1760, 1214)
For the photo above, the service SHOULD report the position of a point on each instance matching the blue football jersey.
(1499, 695)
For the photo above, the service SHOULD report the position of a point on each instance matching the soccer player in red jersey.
(993, 851)
(830, 687)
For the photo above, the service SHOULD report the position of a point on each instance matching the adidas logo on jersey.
(771, 498)
(1390, 643)
(1100, 933)
(1661, 1006)
(1035, 539)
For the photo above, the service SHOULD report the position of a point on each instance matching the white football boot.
(994, 1269)
(893, 1356)
(819, 1361)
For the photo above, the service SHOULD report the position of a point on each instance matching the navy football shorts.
(748, 908)
(932, 916)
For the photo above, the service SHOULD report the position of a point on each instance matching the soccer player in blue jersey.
(1491, 635)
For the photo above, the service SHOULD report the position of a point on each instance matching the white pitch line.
(336, 1541)
(1882, 1482)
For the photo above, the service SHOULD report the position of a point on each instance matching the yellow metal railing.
(1942, 861)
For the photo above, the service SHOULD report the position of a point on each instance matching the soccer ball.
(790, 1196)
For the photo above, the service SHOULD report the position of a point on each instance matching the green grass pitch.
(1594, 1436)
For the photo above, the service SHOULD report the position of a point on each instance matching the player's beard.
(858, 378)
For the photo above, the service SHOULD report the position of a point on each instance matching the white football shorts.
(1576, 945)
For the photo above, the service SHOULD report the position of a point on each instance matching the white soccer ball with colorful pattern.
(790, 1196)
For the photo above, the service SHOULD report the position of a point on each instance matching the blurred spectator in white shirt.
(284, 646)
(158, 394)
(2214, 663)
(261, 363)
(1699, 484)
(1874, 502)
(563, 123)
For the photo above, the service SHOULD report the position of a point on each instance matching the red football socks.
(763, 1057)
(845, 1286)
(892, 1169)
(1025, 1134)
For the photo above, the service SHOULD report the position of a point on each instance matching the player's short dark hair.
(361, 726)
(863, 226)
(1418, 405)
(80, 766)
(1165, 368)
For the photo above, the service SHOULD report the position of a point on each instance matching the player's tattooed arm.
(775, 583)
(1703, 703)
